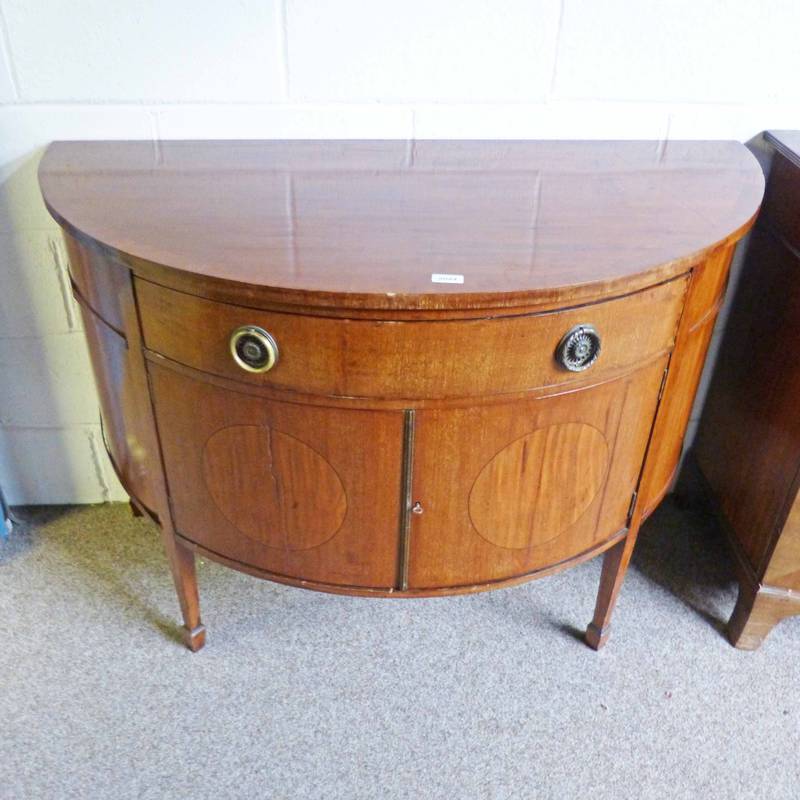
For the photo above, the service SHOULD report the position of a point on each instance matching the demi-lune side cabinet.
(398, 368)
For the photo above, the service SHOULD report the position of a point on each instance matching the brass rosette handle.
(254, 349)
(579, 348)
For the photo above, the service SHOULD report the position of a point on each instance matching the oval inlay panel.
(546, 480)
(273, 488)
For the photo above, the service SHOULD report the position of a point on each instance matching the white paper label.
(446, 277)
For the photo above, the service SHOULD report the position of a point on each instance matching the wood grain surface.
(748, 441)
(366, 224)
(323, 505)
(477, 527)
(411, 360)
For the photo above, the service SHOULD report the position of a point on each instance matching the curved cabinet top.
(367, 224)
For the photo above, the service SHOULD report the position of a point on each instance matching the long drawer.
(410, 359)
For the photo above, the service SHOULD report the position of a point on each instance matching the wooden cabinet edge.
(695, 328)
(392, 591)
(180, 558)
(382, 306)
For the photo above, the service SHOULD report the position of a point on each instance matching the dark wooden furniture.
(399, 368)
(748, 442)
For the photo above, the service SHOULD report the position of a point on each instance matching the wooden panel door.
(305, 492)
(510, 488)
(125, 409)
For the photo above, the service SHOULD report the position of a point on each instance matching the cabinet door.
(510, 488)
(125, 408)
(306, 492)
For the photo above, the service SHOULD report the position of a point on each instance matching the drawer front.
(425, 359)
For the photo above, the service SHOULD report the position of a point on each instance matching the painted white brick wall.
(91, 69)
(421, 51)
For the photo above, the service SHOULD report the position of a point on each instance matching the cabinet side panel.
(125, 410)
(686, 367)
(749, 436)
(780, 210)
(103, 285)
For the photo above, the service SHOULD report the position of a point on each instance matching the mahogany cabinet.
(392, 368)
(748, 441)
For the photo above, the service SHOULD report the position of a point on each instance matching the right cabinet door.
(510, 488)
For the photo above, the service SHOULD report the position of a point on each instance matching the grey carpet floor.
(306, 695)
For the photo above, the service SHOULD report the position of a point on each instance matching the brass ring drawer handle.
(579, 348)
(253, 349)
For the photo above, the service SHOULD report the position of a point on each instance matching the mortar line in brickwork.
(6, 40)
(559, 24)
(283, 46)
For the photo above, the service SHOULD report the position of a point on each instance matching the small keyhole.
(417, 508)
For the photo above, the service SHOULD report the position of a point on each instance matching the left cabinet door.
(306, 492)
